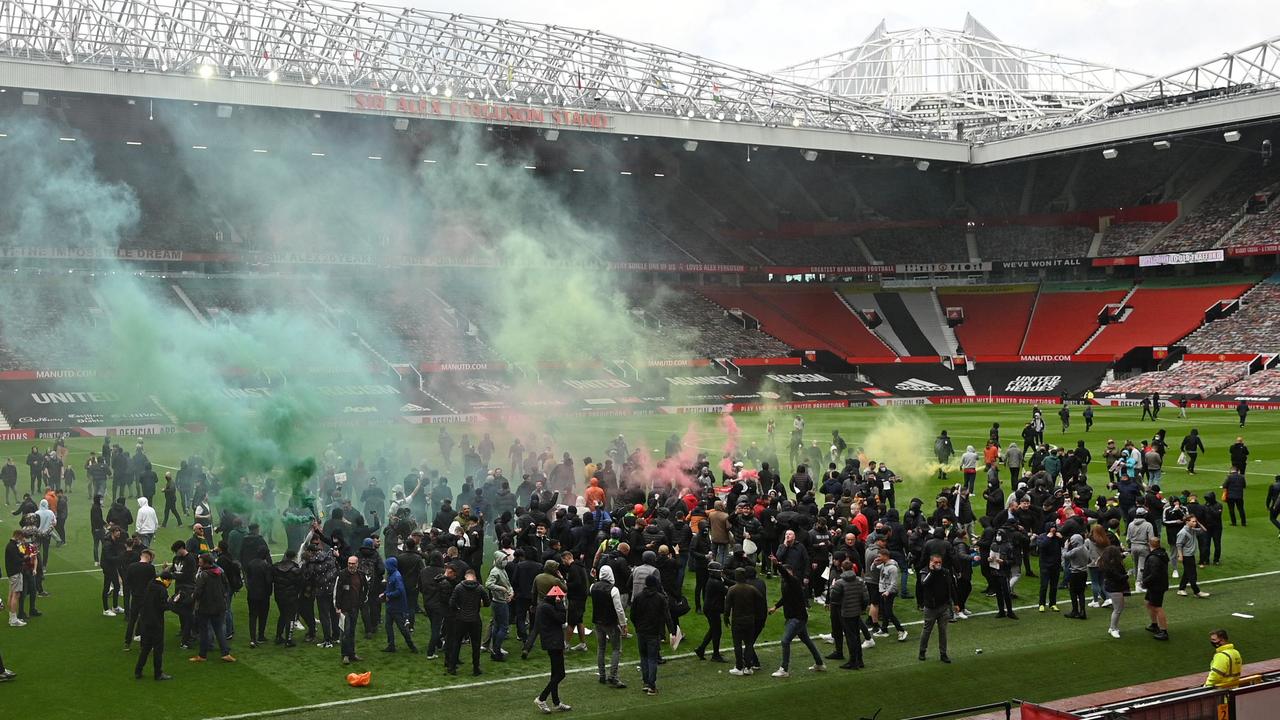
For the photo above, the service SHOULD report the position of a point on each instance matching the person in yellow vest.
(1224, 670)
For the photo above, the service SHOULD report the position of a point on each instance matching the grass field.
(74, 649)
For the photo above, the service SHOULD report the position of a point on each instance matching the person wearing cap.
(744, 606)
(151, 607)
(549, 622)
(713, 607)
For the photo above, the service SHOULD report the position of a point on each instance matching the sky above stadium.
(1144, 35)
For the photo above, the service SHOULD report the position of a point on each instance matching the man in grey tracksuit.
(1137, 536)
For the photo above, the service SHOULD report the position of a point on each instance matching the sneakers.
(1053, 608)
(119, 611)
(542, 705)
(228, 658)
(1202, 594)
(15, 622)
(1114, 633)
(7, 675)
(1160, 635)
(902, 636)
(1095, 603)
(880, 633)
(868, 644)
(616, 684)
(164, 676)
(817, 668)
(743, 671)
(563, 707)
(1106, 603)
(1042, 608)
(780, 673)
(112, 613)
(1183, 593)
(580, 647)
(197, 659)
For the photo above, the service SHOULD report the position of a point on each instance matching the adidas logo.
(918, 385)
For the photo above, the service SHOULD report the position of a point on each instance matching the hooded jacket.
(650, 612)
(1076, 556)
(397, 602)
(849, 593)
(499, 583)
(47, 518)
(467, 599)
(549, 577)
(211, 591)
(606, 601)
(147, 520)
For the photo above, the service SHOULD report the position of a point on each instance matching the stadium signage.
(1181, 258)
(1032, 264)
(1033, 383)
(943, 267)
(488, 112)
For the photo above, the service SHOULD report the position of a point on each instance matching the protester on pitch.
(549, 623)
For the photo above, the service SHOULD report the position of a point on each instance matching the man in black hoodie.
(211, 609)
(651, 616)
(936, 598)
(437, 593)
(258, 574)
(152, 604)
(286, 580)
(465, 603)
(137, 578)
(744, 608)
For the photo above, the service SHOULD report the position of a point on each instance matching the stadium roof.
(376, 48)
(963, 80)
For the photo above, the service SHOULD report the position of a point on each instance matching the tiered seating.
(688, 317)
(1254, 328)
(915, 245)
(1264, 384)
(47, 322)
(1127, 238)
(806, 319)
(1018, 242)
(994, 323)
(1188, 378)
(1064, 320)
(812, 251)
(1258, 229)
(1161, 316)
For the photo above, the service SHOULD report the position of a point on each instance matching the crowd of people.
(578, 548)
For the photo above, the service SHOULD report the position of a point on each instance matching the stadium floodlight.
(578, 170)
(224, 111)
(737, 117)
(69, 59)
(448, 91)
(273, 76)
(659, 174)
(922, 165)
(690, 145)
(417, 89)
(795, 121)
(551, 135)
(1161, 145)
(471, 95)
(401, 124)
(1110, 153)
(205, 70)
(809, 155)
(433, 90)
(624, 172)
(395, 87)
(315, 80)
(30, 97)
(1231, 136)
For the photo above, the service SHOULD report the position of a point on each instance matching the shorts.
(1155, 596)
(873, 590)
(15, 583)
(575, 611)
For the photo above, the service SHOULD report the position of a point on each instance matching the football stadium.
(360, 360)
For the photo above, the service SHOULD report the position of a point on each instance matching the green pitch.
(71, 657)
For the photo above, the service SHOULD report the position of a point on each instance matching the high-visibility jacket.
(1224, 671)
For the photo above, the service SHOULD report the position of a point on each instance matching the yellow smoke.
(904, 440)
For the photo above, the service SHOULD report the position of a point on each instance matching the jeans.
(1232, 506)
(744, 639)
(110, 585)
(211, 628)
(608, 635)
(714, 630)
(501, 623)
(797, 628)
(1117, 607)
(853, 638)
(650, 647)
(259, 607)
(347, 621)
(399, 621)
(1095, 583)
(1049, 585)
(1189, 574)
(552, 690)
(436, 618)
(935, 616)
(229, 618)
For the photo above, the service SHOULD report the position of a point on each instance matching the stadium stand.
(1160, 316)
(1064, 319)
(1261, 228)
(1018, 242)
(898, 315)
(1265, 383)
(1221, 210)
(679, 313)
(1187, 378)
(908, 245)
(1254, 328)
(812, 251)
(994, 323)
(1127, 238)
(53, 317)
(804, 318)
